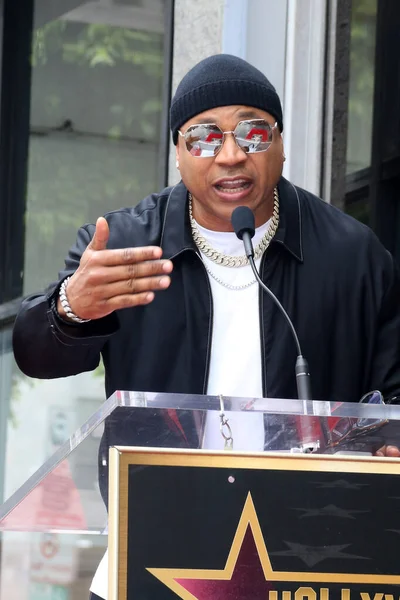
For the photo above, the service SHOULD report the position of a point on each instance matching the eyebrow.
(249, 114)
(204, 121)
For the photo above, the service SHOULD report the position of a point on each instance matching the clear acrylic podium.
(55, 526)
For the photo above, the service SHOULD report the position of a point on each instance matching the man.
(162, 291)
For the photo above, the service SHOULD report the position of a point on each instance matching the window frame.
(16, 37)
(377, 185)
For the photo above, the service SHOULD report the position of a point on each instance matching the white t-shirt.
(235, 362)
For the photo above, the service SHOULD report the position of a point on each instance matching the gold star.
(178, 580)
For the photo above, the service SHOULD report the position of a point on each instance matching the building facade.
(85, 87)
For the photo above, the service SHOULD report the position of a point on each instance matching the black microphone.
(244, 227)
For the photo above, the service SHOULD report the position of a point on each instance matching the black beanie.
(222, 80)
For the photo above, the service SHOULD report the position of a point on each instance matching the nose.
(230, 153)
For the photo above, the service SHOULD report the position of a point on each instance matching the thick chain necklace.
(234, 261)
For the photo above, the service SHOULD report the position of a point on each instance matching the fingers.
(129, 301)
(103, 300)
(97, 310)
(101, 235)
(96, 290)
(108, 280)
(136, 286)
(391, 451)
(120, 256)
(126, 256)
(105, 275)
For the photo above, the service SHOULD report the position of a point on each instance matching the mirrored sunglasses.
(206, 139)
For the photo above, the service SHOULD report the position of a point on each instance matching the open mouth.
(233, 187)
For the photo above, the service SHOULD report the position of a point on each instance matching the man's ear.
(177, 155)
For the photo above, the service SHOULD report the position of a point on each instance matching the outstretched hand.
(108, 280)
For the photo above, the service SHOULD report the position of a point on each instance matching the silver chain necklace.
(234, 261)
(229, 286)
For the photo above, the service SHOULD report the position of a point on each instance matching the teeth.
(236, 182)
(233, 186)
(232, 190)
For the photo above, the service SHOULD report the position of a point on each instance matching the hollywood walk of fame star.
(248, 572)
(340, 484)
(329, 511)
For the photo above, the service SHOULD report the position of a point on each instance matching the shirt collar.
(176, 234)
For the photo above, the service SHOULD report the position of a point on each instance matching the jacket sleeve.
(385, 371)
(44, 346)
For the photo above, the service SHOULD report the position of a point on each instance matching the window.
(361, 108)
(96, 122)
(83, 131)
(361, 84)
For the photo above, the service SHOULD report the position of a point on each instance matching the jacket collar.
(176, 234)
(289, 232)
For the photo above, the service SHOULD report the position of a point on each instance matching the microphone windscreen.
(243, 220)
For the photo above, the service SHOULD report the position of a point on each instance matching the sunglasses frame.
(357, 427)
(217, 148)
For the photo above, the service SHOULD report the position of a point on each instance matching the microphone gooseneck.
(244, 227)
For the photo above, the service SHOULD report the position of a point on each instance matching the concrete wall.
(304, 92)
(337, 102)
(198, 33)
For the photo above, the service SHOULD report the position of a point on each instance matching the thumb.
(101, 235)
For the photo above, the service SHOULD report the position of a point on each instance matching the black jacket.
(337, 282)
(334, 278)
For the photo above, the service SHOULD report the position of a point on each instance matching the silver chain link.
(235, 288)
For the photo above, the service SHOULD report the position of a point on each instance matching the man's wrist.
(60, 315)
(63, 307)
(61, 312)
